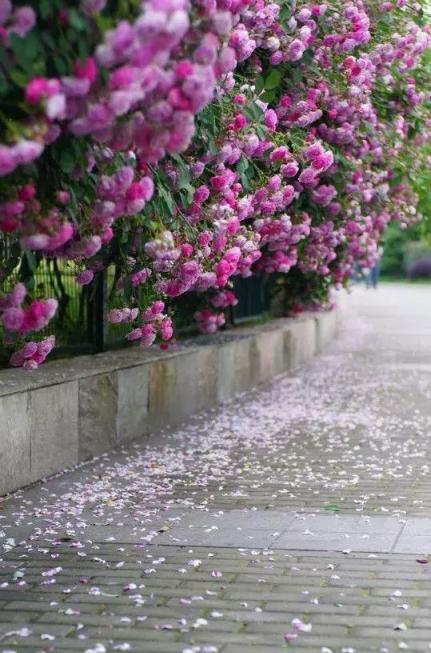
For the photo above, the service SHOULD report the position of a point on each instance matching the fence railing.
(80, 325)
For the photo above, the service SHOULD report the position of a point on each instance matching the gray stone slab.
(97, 414)
(53, 418)
(232, 537)
(417, 527)
(246, 364)
(225, 371)
(321, 541)
(420, 544)
(195, 386)
(208, 377)
(270, 520)
(269, 347)
(14, 442)
(162, 382)
(132, 414)
(285, 530)
(326, 324)
(126, 534)
(352, 524)
(302, 341)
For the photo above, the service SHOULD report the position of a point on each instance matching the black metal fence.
(254, 294)
(80, 325)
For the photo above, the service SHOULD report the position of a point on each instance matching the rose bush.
(181, 143)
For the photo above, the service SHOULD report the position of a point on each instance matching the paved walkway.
(296, 518)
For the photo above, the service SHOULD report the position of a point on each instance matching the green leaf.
(242, 165)
(253, 112)
(67, 161)
(76, 21)
(18, 77)
(273, 79)
(167, 199)
(26, 50)
(190, 191)
(332, 507)
(45, 9)
(31, 260)
(260, 83)
(285, 13)
(184, 177)
(4, 86)
(269, 96)
(60, 64)
(49, 40)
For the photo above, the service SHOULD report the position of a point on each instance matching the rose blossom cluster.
(301, 179)
(33, 354)
(20, 319)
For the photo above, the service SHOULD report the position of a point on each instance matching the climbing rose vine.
(179, 144)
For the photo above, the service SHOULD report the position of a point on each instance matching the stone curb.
(72, 410)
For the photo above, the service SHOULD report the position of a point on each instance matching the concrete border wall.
(71, 410)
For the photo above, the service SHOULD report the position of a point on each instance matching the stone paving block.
(59, 630)
(35, 644)
(247, 648)
(209, 637)
(131, 634)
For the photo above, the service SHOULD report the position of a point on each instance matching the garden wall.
(71, 410)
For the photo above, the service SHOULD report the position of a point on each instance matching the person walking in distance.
(374, 274)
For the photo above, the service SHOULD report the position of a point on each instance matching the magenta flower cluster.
(211, 139)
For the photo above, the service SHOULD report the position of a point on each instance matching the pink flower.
(239, 122)
(308, 177)
(219, 182)
(148, 335)
(85, 277)
(201, 194)
(86, 69)
(26, 151)
(166, 329)
(40, 88)
(271, 119)
(24, 19)
(136, 334)
(5, 11)
(63, 196)
(295, 50)
(13, 319)
(115, 316)
(17, 295)
(7, 160)
(29, 350)
(290, 169)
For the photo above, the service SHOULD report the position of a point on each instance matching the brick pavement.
(335, 456)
